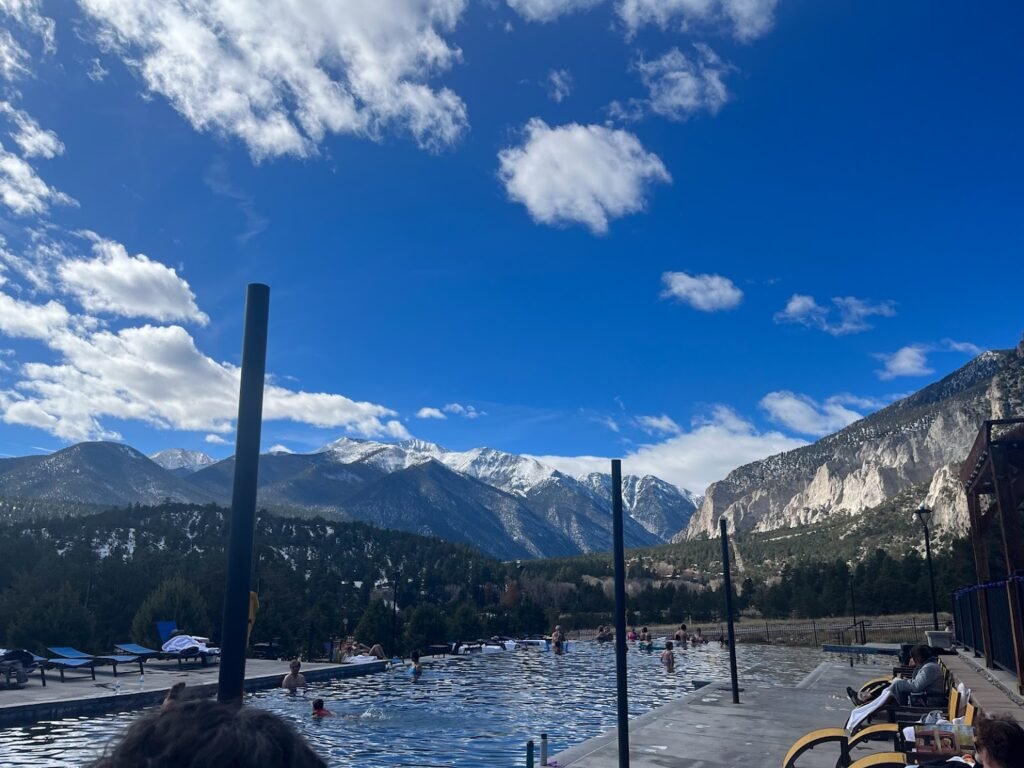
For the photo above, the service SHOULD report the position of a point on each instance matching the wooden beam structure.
(995, 469)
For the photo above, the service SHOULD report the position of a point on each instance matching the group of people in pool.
(295, 680)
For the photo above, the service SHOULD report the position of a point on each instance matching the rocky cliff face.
(920, 440)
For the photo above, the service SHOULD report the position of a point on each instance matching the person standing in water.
(668, 658)
(294, 679)
(558, 640)
(417, 668)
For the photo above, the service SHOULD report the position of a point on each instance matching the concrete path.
(80, 695)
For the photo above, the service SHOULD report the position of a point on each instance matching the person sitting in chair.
(927, 680)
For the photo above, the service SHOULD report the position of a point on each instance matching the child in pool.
(319, 710)
(668, 658)
(417, 668)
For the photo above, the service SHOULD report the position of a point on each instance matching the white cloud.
(679, 87)
(33, 140)
(27, 13)
(216, 440)
(579, 174)
(694, 459)
(962, 346)
(280, 75)
(708, 293)
(280, 449)
(851, 313)
(430, 413)
(659, 425)
(22, 319)
(22, 190)
(559, 84)
(549, 10)
(911, 360)
(97, 72)
(466, 411)
(130, 286)
(803, 414)
(747, 19)
(13, 58)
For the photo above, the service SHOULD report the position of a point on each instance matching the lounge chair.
(69, 653)
(147, 654)
(17, 664)
(62, 665)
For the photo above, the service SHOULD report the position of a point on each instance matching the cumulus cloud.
(217, 440)
(847, 315)
(692, 459)
(280, 449)
(585, 174)
(21, 189)
(280, 75)
(679, 87)
(911, 360)
(130, 286)
(33, 140)
(549, 10)
(430, 413)
(803, 414)
(466, 411)
(559, 84)
(746, 19)
(708, 293)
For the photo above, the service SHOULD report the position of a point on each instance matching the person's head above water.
(318, 703)
(203, 733)
(415, 657)
(295, 666)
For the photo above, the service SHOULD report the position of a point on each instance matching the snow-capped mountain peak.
(182, 459)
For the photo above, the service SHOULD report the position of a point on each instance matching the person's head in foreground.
(1000, 742)
(208, 734)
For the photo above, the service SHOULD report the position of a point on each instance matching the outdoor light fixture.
(924, 515)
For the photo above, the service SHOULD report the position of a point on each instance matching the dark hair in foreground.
(207, 734)
(1002, 737)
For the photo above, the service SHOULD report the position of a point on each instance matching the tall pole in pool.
(728, 611)
(620, 614)
(235, 621)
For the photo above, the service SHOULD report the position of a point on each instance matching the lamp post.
(924, 514)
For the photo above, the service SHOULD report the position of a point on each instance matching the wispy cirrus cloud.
(678, 86)
(847, 315)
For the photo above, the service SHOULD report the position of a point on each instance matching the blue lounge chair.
(145, 654)
(68, 653)
(66, 664)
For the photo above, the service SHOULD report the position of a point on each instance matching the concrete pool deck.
(81, 696)
(706, 730)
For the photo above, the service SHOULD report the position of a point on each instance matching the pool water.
(468, 711)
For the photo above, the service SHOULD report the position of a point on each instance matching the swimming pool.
(468, 711)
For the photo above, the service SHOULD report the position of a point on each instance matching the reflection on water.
(463, 712)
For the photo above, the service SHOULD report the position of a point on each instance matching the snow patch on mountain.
(181, 458)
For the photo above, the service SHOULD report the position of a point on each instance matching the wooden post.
(981, 569)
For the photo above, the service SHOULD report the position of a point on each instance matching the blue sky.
(690, 233)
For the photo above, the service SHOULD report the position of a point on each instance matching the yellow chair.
(817, 738)
(881, 760)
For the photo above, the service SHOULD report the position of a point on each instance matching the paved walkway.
(706, 730)
(81, 695)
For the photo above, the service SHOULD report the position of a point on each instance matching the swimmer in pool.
(417, 668)
(668, 659)
(319, 710)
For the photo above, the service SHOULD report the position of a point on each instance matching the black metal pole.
(931, 577)
(620, 614)
(728, 611)
(853, 609)
(235, 618)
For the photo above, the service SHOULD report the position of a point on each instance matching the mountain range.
(507, 505)
(514, 506)
(917, 443)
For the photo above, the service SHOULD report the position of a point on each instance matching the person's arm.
(926, 678)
